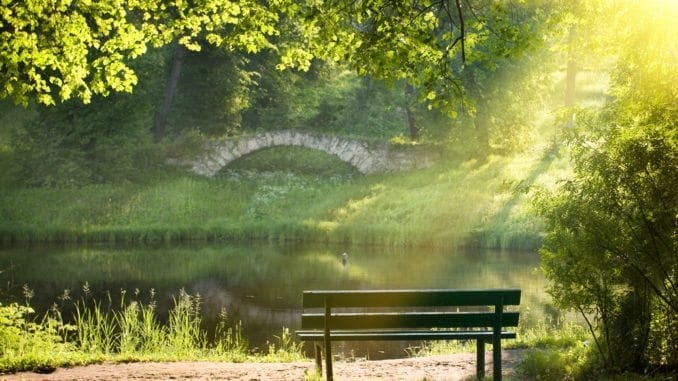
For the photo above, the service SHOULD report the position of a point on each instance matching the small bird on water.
(344, 259)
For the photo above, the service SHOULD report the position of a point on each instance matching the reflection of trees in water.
(216, 296)
(263, 323)
(261, 320)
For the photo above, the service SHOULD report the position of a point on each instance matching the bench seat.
(408, 335)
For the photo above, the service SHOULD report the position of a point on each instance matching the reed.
(131, 332)
(95, 329)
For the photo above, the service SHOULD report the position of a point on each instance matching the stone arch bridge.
(367, 157)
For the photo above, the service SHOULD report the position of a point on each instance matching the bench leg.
(480, 359)
(328, 343)
(496, 354)
(318, 358)
(328, 361)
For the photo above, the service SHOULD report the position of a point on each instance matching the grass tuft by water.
(131, 332)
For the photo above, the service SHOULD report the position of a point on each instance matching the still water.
(261, 284)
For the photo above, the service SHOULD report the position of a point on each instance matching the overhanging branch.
(461, 28)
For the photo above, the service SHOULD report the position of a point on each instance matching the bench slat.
(402, 335)
(412, 298)
(408, 320)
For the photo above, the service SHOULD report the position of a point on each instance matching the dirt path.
(444, 367)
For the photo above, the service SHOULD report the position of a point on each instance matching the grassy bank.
(460, 201)
(130, 331)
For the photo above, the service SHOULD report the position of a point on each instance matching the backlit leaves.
(612, 228)
(54, 50)
(420, 41)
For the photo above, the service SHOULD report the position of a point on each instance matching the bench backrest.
(396, 309)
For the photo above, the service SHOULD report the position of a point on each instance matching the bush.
(27, 345)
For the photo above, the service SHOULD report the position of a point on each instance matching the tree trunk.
(570, 81)
(411, 122)
(160, 121)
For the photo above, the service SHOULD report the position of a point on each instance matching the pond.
(261, 284)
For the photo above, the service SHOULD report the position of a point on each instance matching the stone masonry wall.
(367, 158)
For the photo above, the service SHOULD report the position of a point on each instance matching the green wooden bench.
(342, 315)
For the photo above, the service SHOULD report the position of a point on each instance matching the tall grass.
(130, 332)
(554, 351)
(95, 329)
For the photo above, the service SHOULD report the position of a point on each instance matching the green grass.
(460, 201)
(131, 331)
(553, 351)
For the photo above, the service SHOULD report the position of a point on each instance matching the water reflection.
(261, 284)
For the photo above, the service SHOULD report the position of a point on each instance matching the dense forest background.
(228, 94)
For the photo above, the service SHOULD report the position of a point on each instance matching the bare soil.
(443, 367)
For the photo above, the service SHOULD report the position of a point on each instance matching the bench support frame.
(328, 342)
(406, 326)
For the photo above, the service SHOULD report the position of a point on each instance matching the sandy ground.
(444, 367)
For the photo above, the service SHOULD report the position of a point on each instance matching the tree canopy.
(429, 43)
(55, 50)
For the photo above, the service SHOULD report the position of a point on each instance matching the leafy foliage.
(427, 43)
(26, 344)
(612, 243)
(74, 144)
(54, 50)
(328, 98)
(57, 50)
(215, 91)
(611, 247)
(434, 46)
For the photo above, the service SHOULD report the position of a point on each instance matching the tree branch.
(638, 268)
(461, 21)
(593, 331)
